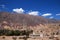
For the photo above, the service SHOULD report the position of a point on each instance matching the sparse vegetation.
(14, 32)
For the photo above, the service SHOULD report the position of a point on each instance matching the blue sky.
(45, 8)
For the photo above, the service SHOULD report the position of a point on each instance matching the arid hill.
(13, 19)
(22, 18)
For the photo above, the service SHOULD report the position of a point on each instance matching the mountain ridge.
(25, 19)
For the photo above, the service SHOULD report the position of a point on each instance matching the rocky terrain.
(43, 28)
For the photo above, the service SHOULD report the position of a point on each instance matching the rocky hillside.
(22, 18)
(13, 19)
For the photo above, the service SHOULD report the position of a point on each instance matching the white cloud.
(33, 13)
(18, 10)
(58, 14)
(47, 14)
(51, 17)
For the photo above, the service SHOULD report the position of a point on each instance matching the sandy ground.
(17, 38)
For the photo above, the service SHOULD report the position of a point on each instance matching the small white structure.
(55, 35)
(41, 35)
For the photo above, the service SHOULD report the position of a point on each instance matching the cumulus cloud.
(57, 14)
(47, 14)
(18, 10)
(33, 13)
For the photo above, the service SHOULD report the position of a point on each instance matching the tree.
(27, 32)
(16, 32)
